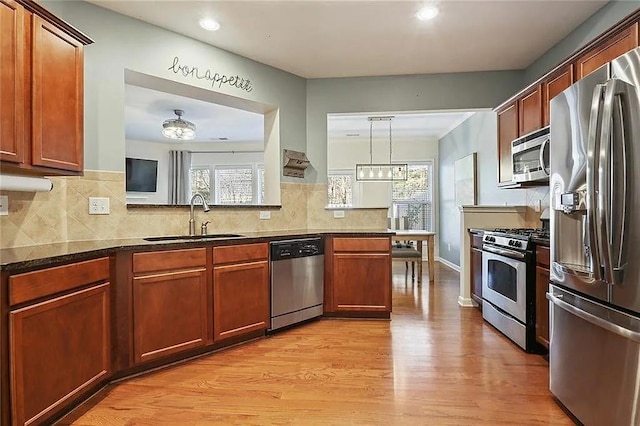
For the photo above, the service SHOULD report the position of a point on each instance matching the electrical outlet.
(98, 205)
(448, 247)
(265, 215)
(338, 214)
(4, 205)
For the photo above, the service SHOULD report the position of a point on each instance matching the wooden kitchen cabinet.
(170, 302)
(476, 269)
(542, 304)
(241, 299)
(41, 125)
(553, 86)
(507, 132)
(609, 49)
(59, 346)
(360, 276)
(530, 111)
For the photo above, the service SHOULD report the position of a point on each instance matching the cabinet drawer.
(170, 259)
(46, 282)
(240, 253)
(362, 245)
(542, 256)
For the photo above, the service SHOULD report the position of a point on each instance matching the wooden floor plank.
(433, 364)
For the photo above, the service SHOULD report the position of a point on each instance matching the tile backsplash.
(63, 214)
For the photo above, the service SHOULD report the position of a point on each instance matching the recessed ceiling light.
(209, 24)
(427, 12)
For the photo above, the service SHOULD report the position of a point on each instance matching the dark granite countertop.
(541, 241)
(39, 256)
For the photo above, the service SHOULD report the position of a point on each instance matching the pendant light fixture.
(381, 172)
(178, 128)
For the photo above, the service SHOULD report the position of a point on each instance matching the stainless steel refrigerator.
(594, 294)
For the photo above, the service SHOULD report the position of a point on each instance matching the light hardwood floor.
(433, 364)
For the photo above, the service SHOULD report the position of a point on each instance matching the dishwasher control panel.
(293, 249)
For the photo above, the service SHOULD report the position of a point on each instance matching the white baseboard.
(449, 264)
(466, 303)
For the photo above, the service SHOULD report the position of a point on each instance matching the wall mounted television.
(142, 175)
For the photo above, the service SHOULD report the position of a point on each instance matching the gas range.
(516, 238)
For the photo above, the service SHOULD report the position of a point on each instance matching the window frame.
(342, 172)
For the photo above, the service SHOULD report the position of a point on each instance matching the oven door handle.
(503, 252)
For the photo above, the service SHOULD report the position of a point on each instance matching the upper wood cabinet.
(41, 107)
(530, 111)
(11, 81)
(507, 132)
(610, 49)
(554, 85)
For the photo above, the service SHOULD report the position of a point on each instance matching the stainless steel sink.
(192, 237)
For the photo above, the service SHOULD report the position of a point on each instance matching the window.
(340, 190)
(234, 184)
(200, 181)
(413, 198)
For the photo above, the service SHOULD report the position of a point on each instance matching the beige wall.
(62, 214)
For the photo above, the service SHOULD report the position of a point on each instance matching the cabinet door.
(507, 132)
(361, 282)
(240, 299)
(530, 112)
(58, 349)
(12, 107)
(57, 98)
(169, 313)
(621, 43)
(542, 306)
(553, 86)
(476, 276)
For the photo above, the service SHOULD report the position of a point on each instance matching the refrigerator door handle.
(593, 319)
(603, 152)
(593, 147)
(622, 113)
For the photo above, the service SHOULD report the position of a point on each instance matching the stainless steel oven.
(508, 285)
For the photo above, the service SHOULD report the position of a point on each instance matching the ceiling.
(416, 125)
(146, 110)
(318, 39)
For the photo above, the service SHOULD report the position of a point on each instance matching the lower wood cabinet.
(360, 275)
(58, 349)
(240, 290)
(542, 304)
(476, 269)
(169, 306)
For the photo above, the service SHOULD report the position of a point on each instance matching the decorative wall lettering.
(216, 79)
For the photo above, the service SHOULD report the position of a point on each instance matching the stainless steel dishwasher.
(297, 281)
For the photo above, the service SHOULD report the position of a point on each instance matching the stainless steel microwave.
(530, 156)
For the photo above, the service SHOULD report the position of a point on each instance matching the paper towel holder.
(295, 163)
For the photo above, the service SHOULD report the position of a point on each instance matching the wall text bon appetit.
(215, 78)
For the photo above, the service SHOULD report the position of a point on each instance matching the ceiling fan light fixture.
(178, 128)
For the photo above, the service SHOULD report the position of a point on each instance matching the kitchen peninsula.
(104, 310)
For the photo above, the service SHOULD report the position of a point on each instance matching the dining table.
(419, 236)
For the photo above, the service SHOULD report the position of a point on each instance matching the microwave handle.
(544, 166)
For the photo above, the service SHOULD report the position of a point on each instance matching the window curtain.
(179, 169)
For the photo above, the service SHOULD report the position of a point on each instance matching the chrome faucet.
(192, 220)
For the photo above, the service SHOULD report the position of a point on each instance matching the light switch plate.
(98, 205)
(338, 214)
(538, 206)
(265, 214)
(4, 205)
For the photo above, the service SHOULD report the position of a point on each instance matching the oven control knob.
(512, 243)
(517, 243)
